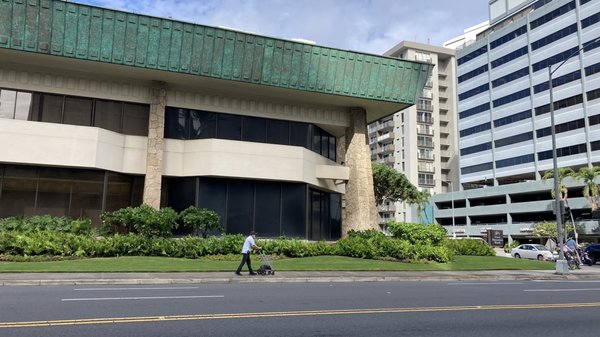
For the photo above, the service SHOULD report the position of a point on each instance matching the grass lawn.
(322, 263)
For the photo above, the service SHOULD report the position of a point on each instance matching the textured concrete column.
(360, 212)
(154, 154)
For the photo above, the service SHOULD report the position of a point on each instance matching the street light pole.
(561, 265)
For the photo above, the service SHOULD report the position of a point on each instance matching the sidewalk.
(42, 279)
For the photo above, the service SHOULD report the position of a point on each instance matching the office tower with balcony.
(420, 141)
(504, 118)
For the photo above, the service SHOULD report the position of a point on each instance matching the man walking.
(249, 245)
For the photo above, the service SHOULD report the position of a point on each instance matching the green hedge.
(470, 247)
(50, 243)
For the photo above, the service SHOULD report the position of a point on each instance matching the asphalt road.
(511, 308)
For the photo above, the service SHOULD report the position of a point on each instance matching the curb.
(308, 279)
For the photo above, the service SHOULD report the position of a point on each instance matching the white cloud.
(372, 26)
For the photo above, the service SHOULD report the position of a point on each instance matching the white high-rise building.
(504, 114)
(420, 141)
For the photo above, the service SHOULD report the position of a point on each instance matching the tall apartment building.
(420, 141)
(504, 116)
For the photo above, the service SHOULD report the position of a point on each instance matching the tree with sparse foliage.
(549, 230)
(391, 185)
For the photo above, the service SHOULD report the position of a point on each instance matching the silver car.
(532, 251)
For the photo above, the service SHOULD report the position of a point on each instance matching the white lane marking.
(137, 298)
(559, 290)
(481, 283)
(162, 288)
(566, 281)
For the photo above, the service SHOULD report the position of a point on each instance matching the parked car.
(593, 252)
(533, 251)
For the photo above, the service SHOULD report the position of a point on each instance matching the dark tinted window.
(78, 111)
(316, 139)
(476, 168)
(203, 124)
(293, 212)
(473, 111)
(229, 127)
(472, 55)
(212, 195)
(135, 119)
(268, 209)
(240, 206)
(512, 118)
(300, 134)
(18, 191)
(108, 115)
(176, 123)
(513, 139)
(335, 209)
(254, 129)
(278, 132)
(52, 109)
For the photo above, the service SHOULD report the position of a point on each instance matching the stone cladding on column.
(360, 212)
(154, 156)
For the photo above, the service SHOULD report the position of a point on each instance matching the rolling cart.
(266, 264)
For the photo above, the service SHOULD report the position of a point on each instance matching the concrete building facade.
(102, 109)
(504, 121)
(420, 141)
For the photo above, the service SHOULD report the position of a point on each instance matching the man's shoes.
(238, 273)
(253, 273)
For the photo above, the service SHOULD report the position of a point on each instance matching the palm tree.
(421, 199)
(563, 172)
(591, 191)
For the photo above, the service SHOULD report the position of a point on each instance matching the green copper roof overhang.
(87, 33)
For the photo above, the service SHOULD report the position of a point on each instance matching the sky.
(369, 26)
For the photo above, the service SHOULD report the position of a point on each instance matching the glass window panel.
(240, 207)
(176, 123)
(278, 132)
(54, 192)
(254, 129)
(118, 191)
(332, 148)
(325, 144)
(24, 104)
(229, 127)
(300, 134)
(268, 209)
(335, 210)
(8, 99)
(108, 115)
(19, 185)
(212, 195)
(203, 124)
(293, 210)
(135, 119)
(181, 192)
(52, 108)
(34, 112)
(315, 216)
(86, 195)
(78, 111)
(316, 139)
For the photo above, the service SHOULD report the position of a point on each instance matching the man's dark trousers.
(245, 259)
